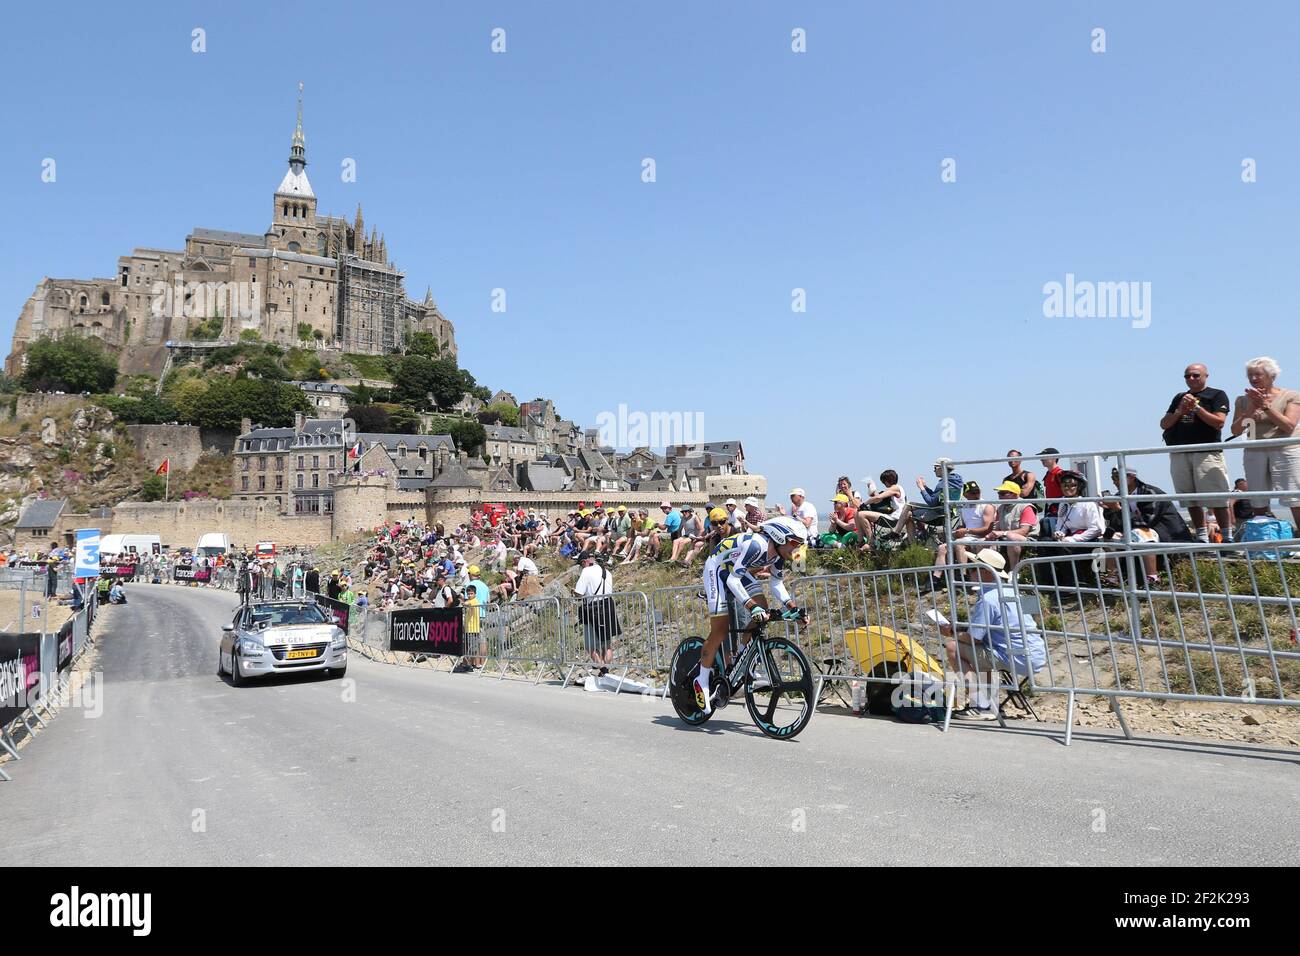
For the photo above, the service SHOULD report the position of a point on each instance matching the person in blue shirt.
(940, 496)
(671, 528)
(998, 628)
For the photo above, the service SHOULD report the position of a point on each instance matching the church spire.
(298, 151)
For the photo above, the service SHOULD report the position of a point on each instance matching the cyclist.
(731, 574)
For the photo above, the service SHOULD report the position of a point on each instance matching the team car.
(281, 637)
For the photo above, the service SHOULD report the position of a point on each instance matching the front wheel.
(781, 698)
(681, 681)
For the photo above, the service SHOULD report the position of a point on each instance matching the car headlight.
(339, 640)
(251, 648)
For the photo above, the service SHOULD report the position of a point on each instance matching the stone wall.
(182, 444)
(246, 522)
(41, 404)
(454, 505)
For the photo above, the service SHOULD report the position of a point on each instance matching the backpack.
(1265, 529)
(918, 699)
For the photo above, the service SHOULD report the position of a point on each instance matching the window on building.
(315, 480)
(331, 461)
(315, 461)
(261, 462)
(243, 483)
(300, 481)
(300, 457)
(279, 482)
(261, 482)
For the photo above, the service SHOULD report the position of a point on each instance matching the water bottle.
(858, 696)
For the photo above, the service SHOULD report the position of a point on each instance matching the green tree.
(154, 487)
(468, 434)
(417, 378)
(481, 392)
(250, 335)
(264, 366)
(423, 343)
(70, 364)
(369, 418)
(226, 401)
(403, 421)
(506, 414)
(304, 332)
(146, 410)
(140, 386)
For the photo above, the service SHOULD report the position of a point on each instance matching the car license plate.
(300, 653)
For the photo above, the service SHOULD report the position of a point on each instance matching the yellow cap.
(840, 499)
(473, 569)
(718, 515)
(1010, 486)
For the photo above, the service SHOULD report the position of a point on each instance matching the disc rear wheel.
(782, 698)
(681, 690)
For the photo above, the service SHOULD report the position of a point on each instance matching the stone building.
(307, 279)
(329, 399)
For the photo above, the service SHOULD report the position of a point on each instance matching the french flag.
(356, 450)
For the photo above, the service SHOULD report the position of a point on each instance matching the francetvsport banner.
(185, 572)
(20, 667)
(427, 630)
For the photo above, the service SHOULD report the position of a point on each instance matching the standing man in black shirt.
(1195, 417)
(311, 581)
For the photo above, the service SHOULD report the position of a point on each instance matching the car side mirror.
(227, 627)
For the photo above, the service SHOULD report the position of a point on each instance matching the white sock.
(703, 680)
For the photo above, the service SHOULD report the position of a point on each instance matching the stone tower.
(360, 504)
(293, 221)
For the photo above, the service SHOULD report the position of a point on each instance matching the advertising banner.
(87, 564)
(427, 630)
(339, 612)
(185, 572)
(20, 668)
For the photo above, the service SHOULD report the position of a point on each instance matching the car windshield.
(289, 614)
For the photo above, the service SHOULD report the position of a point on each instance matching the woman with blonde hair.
(1266, 411)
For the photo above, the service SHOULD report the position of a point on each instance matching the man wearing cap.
(801, 509)
(1016, 521)
(735, 517)
(844, 523)
(940, 497)
(670, 528)
(976, 522)
(999, 629)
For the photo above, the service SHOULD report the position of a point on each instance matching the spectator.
(844, 523)
(1077, 521)
(476, 597)
(1113, 513)
(690, 532)
(1016, 521)
(998, 629)
(975, 521)
(595, 581)
(845, 487)
(1026, 481)
(643, 533)
(803, 510)
(1195, 417)
(886, 508)
(670, 528)
(1242, 511)
(754, 514)
(1160, 516)
(1266, 411)
(1049, 458)
(938, 499)
(444, 595)
(735, 516)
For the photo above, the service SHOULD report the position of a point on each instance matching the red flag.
(164, 468)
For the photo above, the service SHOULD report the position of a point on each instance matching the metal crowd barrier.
(54, 685)
(1218, 624)
(526, 632)
(618, 622)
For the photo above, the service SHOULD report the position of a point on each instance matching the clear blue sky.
(775, 170)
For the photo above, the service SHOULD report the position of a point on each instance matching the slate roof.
(42, 513)
(222, 235)
(453, 476)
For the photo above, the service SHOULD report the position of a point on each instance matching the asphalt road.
(402, 766)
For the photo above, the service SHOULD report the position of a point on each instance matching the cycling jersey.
(732, 568)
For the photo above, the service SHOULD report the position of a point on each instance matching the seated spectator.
(845, 487)
(670, 528)
(999, 630)
(976, 521)
(644, 530)
(1051, 484)
(1242, 511)
(690, 531)
(1078, 521)
(1016, 521)
(1160, 516)
(939, 499)
(843, 520)
(735, 515)
(754, 515)
(801, 509)
(1113, 514)
(883, 510)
